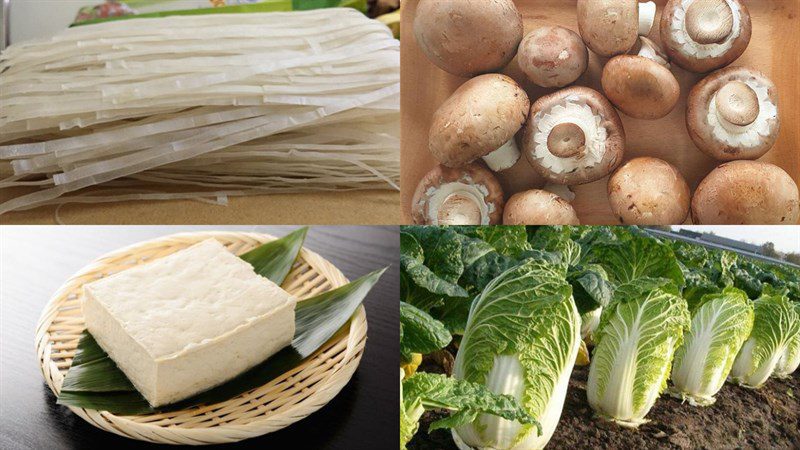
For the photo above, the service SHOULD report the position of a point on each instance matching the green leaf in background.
(509, 240)
(484, 270)
(557, 239)
(472, 248)
(275, 259)
(413, 263)
(697, 286)
(590, 287)
(441, 250)
(95, 382)
(421, 333)
(454, 314)
(636, 257)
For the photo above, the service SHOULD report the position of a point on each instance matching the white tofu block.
(187, 322)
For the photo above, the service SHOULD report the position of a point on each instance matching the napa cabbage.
(775, 328)
(720, 325)
(635, 342)
(521, 339)
(789, 360)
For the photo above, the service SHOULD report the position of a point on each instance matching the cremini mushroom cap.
(704, 35)
(640, 87)
(468, 37)
(469, 195)
(553, 56)
(556, 142)
(538, 207)
(746, 193)
(610, 27)
(728, 119)
(649, 191)
(480, 117)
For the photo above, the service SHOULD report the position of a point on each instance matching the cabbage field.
(587, 337)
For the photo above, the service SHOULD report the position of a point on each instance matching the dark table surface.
(34, 261)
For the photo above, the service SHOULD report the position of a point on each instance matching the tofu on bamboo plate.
(188, 322)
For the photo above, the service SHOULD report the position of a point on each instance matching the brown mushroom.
(468, 195)
(538, 207)
(610, 27)
(733, 114)
(480, 120)
(553, 56)
(573, 136)
(704, 35)
(745, 193)
(649, 191)
(468, 37)
(641, 85)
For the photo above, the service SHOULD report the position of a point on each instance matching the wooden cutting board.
(774, 49)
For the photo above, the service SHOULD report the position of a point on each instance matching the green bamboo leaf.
(95, 382)
(275, 259)
(126, 403)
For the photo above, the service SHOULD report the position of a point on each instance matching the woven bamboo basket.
(268, 408)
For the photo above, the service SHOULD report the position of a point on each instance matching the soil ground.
(767, 418)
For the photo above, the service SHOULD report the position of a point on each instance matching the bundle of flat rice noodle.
(201, 107)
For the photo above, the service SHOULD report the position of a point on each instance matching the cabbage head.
(637, 337)
(720, 325)
(521, 339)
(776, 326)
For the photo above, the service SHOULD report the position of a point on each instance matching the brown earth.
(767, 418)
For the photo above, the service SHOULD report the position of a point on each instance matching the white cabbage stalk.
(720, 325)
(634, 346)
(589, 323)
(521, 339)
(776, 326)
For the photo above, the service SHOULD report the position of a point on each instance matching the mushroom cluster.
(574, 135)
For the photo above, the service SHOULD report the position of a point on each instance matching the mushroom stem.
(459, 209)
(647, 15)
(652, 51)
(566, 140)
(709, 21)
(504, 157)
(561, 190)
(737, 104)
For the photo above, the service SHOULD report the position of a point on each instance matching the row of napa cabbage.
(521, 305)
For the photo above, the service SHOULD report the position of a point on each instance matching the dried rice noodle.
(227, 104)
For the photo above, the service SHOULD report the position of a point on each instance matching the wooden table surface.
(773, 50)
(35, 261)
